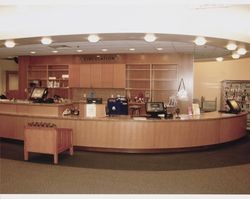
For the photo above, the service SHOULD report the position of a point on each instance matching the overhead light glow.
(54, 51)
(219, 59)
(150, 37)
(10, 44)
(104, 50)
(235, 55)
(241, 51)
(159, 49)
(93, 38)
(46, 40)
(79, 50)
(231, 46)
(200, 41)
(132, 49)
(32, 52)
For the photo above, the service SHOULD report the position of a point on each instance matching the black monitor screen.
(38, 93)
(234, 106)
(154, 108)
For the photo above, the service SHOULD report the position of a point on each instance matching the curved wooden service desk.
(125, 134)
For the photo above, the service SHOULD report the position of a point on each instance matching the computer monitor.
(154, 108)
(38, 94)
(233, 105)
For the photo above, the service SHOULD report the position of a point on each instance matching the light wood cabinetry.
(119, 76)
(156, 82)
(138, 80)
(74, 74)
(55, 77)
(97, 75)
(107, 76)
(164, 81)
(37, 75)
(125, 133)
(47, 140)
(238, 90)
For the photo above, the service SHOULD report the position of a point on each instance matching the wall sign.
(98, 58)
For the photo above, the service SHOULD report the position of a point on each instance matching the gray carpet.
(219, 170)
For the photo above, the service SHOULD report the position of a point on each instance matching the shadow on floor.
(231, 154)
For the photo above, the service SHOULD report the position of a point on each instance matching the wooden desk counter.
(125, 134)
(22, 107)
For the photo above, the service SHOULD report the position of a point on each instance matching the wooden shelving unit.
(55, 77)
(138, 80)
(164, 81)
(159, 81)
(238, 90)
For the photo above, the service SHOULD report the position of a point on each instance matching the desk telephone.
(69, 111)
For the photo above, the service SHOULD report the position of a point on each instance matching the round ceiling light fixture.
(10, 43)
(241, 51)
(150, 37)
(93, 38)
(235, 55)
(200, 41)
(231, 46)
(219, 59)
(46, 40)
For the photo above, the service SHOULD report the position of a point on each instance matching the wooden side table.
(47, 140)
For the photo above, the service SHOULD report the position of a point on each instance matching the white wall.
(6, 65)
(208, 75)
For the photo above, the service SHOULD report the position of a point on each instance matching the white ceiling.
(117, 47)
(122, 26)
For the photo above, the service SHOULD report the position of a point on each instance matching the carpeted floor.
(224, 169)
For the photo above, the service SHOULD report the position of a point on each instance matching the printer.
(117, 106)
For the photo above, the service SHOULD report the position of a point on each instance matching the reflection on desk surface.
(139, 118)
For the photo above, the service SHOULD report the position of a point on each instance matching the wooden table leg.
(55, 158)
(71, 150)
(26, 155)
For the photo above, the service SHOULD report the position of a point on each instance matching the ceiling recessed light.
(235, 55)
(241, 51)
(219, 59)
(132, 49)
(46, 40)
(200, 41)
(231, 46)
(54, 51)
(150, 37)
(79, 50)
(10, 44)
(104, 50)
(159, 48)
(93, 38)
(32, 52)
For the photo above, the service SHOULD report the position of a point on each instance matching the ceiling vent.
(60, 47)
